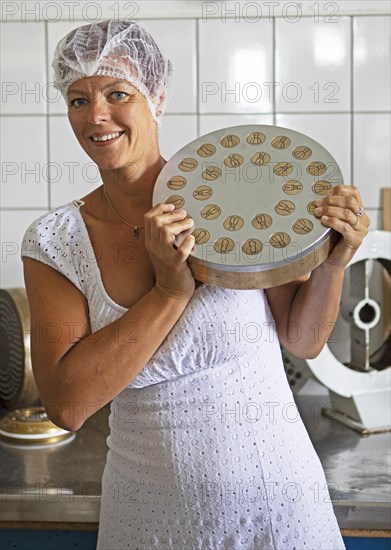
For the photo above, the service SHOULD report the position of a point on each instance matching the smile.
(106, 137)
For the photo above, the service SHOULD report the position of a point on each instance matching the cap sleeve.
(50, 240)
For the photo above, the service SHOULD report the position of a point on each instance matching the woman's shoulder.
(57, 238)
(65, 214)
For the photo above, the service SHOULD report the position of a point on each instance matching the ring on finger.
(360, 212)
(356, 222)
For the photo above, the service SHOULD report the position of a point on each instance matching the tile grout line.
(214, 113)
(352, 175)
(274, 98)
(25, 208)
(192, 17)
(197, 38)
(47, 115)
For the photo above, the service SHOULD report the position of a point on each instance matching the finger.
(346, 190)
(160, 208)
(182, 236)
(168, 232)
(347, 201)
(169, 217)
(186, 247)
(339, 201)
(343, 214)
(365, 221)
(353, 235)
(179, 226)
(159, 221)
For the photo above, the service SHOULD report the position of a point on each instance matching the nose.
(98, 111)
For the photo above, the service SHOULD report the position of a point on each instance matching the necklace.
(134, 227)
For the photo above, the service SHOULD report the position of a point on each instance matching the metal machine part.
(31, 425)
(359, 387)
(27, 423)
(17, 385)
(251, 191)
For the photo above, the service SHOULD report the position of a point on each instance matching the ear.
(162, 100)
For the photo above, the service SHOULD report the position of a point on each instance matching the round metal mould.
(250, 191)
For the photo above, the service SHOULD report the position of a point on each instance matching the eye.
(119, 96)
(77, 102)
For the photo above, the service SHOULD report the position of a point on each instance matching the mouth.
(106, 138)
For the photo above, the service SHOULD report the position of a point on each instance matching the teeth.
(107, 137)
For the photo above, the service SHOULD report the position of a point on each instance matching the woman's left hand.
(341, 209)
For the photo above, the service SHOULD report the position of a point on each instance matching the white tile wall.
(372, 64)
(210, 60)
(175, 132)
(24, 168)
(371, 156)
(313, 65)
(23, 70)
(209, 123)
(235, 60)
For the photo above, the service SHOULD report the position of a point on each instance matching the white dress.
(207, 449)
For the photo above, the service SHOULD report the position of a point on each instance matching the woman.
(189, 465)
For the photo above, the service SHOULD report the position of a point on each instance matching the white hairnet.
(120, 49)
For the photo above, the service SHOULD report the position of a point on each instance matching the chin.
(109, 165)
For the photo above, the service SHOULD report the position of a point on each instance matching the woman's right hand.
(163, 228)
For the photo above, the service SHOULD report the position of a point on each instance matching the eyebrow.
(112, 85)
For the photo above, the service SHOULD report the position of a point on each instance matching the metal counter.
(61, 484)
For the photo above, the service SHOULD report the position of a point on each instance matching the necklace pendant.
(135, 232)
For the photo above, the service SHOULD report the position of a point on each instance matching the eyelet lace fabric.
(207, 449)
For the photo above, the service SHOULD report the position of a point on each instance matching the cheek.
(77, 128)
(149, 128)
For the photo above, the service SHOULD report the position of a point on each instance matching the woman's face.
(112, 122)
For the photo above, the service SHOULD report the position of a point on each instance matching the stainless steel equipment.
(17, 385)
(360, 386)
(28, 422)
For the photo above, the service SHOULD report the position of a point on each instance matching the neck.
(130, 188)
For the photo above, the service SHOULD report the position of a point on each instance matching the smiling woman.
(112, 122)
(188, 465)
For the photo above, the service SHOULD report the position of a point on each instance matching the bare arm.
(305, 310)
(77, 372)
